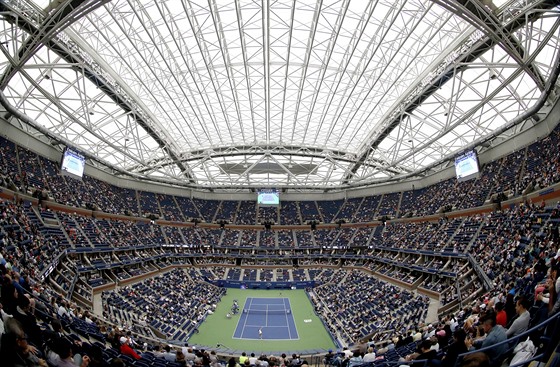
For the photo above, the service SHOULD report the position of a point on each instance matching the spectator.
(126, 349)
(457, 347)
(501, 316)
(55, 341)
(28, 321)
(253, 361)
(214, 362)
(495, 334)
(189, 355)
(232, 363)
(509, 306)
(180, 358)
(95, 355)
(67, 357)
(521, 323)
(243, 358)
(330, 358)
(424, 353)
(356, 360)
(552, 285)
(14, 349)
(369, 356)
(9, 296)
(169, 355)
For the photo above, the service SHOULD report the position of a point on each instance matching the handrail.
(513, 341)
(488, 285)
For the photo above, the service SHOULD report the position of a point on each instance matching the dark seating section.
(169, 208)
(304, 239)
(248, 239)
(149, 204)
(174, 303)
(285, 238)
(173, 235)
(8, 159)
(194, 236)
(309, 211)
(473, 193)
(188, 208)
(325, 237)
(541, 162)
(247, 213)
(226, 210)
(231, 238)
(348, 209)
(207, 209)
(329, 209)
(267, 239)
(290, 213)
(389, 205)
(360, 305)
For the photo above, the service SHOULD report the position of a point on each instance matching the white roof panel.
(298, 82)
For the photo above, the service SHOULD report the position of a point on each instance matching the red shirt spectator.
(127, 350)
(501, 315)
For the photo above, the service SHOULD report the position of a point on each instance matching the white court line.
(266, 316)
(246, 317)
(287, 322)
(292, 314)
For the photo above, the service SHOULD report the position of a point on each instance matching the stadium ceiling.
(291, 94)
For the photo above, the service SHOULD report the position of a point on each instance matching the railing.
(480, 273)
(548, 338)
(546, 333)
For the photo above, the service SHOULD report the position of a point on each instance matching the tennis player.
(260, 333)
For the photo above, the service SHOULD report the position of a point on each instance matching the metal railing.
(546, 333)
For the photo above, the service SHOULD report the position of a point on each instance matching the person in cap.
(330, 358)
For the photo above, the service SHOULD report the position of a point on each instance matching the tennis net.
(266, 312)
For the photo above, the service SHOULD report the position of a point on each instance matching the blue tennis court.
(267, 319)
